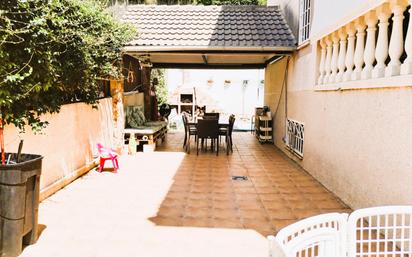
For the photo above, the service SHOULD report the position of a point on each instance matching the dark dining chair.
(208, 129)
(232, 119)
(190, 130)
(226, 131)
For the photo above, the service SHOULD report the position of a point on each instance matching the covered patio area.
(168, 203)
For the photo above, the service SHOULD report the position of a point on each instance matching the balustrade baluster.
(381, 52)
(342, 54)
(396, 41)
(322, 61)
(334, 61)
(360, 48)
(369, 55)
(328, 60)
(406, 67)
(350, 52)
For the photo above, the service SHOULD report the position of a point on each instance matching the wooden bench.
(150, 132)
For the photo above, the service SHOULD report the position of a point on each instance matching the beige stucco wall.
(288, 8)
(327, 15)
(69, 142)
(357, 142)
(274, 79)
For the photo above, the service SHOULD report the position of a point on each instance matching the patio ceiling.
(208, 36)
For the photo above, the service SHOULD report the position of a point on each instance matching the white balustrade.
(396, 41)
(360, 48)
(345, 55)
(381, 52)
(328, 42)
(342, 54)
(350, 28)
(322, 61)
(369, 55)
(406, 67)
(334, 61)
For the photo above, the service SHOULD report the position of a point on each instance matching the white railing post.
(334, 62)
(381, 53)
(360, 47)
(350, 52)
(406, 67)
(342, 54)
(328, 42)
(396, 41)
(369, 55)
(322, 61)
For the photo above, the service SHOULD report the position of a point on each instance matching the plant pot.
(19, 203)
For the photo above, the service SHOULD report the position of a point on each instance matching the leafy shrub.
(53, 52)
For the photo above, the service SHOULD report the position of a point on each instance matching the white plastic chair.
(319, 236)
(380, 231)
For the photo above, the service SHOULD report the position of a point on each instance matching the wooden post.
(155, 108)
(146, 91)
(3, 155)
(117, 92)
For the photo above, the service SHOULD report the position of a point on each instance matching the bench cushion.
(135, 116)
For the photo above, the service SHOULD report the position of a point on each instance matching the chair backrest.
(211, 115)
(184, 118)
(325, 230)
(231, 123)
(385, 230)
(105, 150)
(207, 128)
(321, 242)
(371, 232)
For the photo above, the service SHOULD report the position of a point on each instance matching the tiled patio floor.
(276, 193)
(169, 203)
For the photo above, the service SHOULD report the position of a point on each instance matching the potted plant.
(51, 53)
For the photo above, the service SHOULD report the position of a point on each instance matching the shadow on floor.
(275, 194)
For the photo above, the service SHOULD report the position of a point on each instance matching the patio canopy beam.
(213, 60)
(207, 66)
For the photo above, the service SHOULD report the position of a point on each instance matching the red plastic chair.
(107, 154)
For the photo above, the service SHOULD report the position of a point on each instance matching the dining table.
(222, 123)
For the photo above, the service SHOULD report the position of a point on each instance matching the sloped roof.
(211, 27)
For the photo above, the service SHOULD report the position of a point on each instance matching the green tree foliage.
(161, 88)
(53, 52)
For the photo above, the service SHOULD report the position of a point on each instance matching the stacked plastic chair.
(371, 232)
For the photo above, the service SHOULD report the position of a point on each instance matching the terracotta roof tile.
(219, 26)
